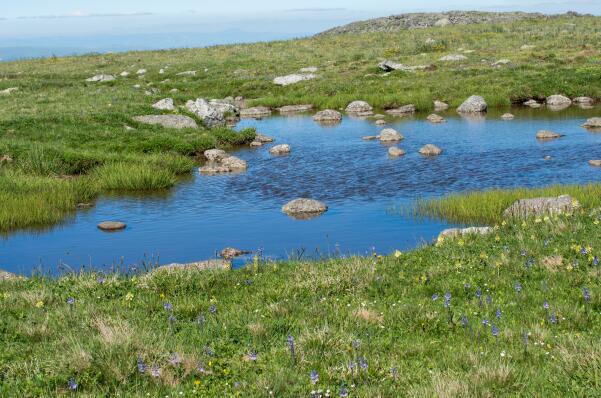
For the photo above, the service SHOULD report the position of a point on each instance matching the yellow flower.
(397, 254)
(596, 222)
(162, 295)
(504, 223)
(5, 295)
(460, 242)
(129, 296)
(569, 267)
(538, 221)
(197, 382)
(39, 304)
(379, 257)
(497, 238)
(547, 219)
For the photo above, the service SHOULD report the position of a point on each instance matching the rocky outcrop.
(390, 135)
(295, 108)
(257, 112)
(328, 116)
(304, 208)
(401, 111)
(101, 78)
(293, 79)
(111, 226)
(540, 206)
(430, 150)
(165, 105)
(458, 232)
(282, 149)
(396, 152)
(474, 104)
(545, 135)
(359, 108)
(434, 118)
(168, 121)
(211, 112)
(593, 123)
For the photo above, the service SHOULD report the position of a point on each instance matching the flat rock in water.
(328, 116)
(584, 100)
(430, 150)
(293, 79)
(304, 208)
(257, 112)
(282, 149)
(547, 135)
(390, 135)
(403, 110)
(101, 78)
(434, 118)
(507, 116)
(295, 108)
(457, 232)
(263, 138)
(359, 108)
(230, 253)
(112, 226)
(474, 104)
(164, 105)
(395, 152)
(533, 103)
(8, 91)
(228, 164)
(595, 163)
(539, 206)
(558, 101)
(168, 121)
(440, 106)
(593, 123)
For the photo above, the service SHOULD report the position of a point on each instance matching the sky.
(114, 25)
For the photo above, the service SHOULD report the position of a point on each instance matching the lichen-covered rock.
(584, 100)
(390, 135)
(164, 105)
(532, 103)
(545, 135)
(359, 108)
(282, 149)
(215, 155)
(540, 206)
(474, 104)
(430, 150)
(440, 106)
(168, 121)
(304, 208)
(328, 116)
(212, 113)
(558, 100)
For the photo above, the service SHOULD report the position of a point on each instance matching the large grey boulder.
(168, 121)
(474, 104)
(403, 110)
(304, 208)
(101, 78)
(457, 232)
(539, 206)
(293, 78)
(164, 105)
(257, 112)
(212, 114)
(558, 101)
(390, 135)
(295, 108)
(328, 116)
(359, 108)
(593, 123)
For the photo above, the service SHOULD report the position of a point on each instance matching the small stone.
(112, 226)
(295, 108)
(547, 135)
(390, 135)
(396, 151)
(282, 149)
(380, 122)
(440, 106)
(401, 111)
(434, 118)
(9, 90)
(430, 150)
(165, 105)
(124, 74)
(309, 69)
(187, 73)
(101, 78)
(453, 58)
(304, 208)
(256, 144)
(458, 232)
(141, 72)
(507, 116)
(584, 100)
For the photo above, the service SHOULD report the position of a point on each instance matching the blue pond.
(364, 189)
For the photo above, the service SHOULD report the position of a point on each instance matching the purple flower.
(586, 294)
(488, 299)
(363, 363)
(213, 309)
(553, 318)
(314, 377)
(70, 301)
(252, 356)
(141, 366)
(447, 300)
(498, 313)
(583, 251)
(434, 297)
(478, 293)
(168, 306)
(100, 280)
(351, 366)
(171, 319)
(495, 330)
(155, 371)
(484, 322)
(343, 392)
(175, 360)
(546, 305)
(291, 347)
(72, 384)
(595, 261)
(518, 287)
(200, 368)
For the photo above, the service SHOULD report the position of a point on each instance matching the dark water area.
(365, 189)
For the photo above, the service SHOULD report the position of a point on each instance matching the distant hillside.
(396, 23)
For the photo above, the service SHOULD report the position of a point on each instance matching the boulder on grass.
(540, 206)
(168, 121)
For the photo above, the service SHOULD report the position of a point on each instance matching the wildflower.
(498, 313)
(447, 300)
(129, 296)
(200, 368)
(171, 319)
(141, 366)
(488, 299)
(314, 377)
(72, 384)
(70, 301)
(351, 366)
(484, 322)
(495, 330)
(155, 371)
(213, 309)
(434, 297)
(100, 280)
(595, 261)
(586, 294)
(518, 287)
(362, 363)
(343, 392)
(546, 305)
(478, 293)
(197, 382)
(39, 304)
(583, 251)
(553, 318)
(168, 306)
(397, 254)
(175, 360)
(252, 356)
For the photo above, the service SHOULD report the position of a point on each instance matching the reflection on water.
(357, 180)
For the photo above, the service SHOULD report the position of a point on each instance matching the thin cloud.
(316, 9)
(79, 14)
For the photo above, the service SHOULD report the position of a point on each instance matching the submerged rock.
(263, 138)
(359, 108)
(434, 118)
(457, 232)
(168, 121)
(101, 78)
(282, 149)
(228, 164)
(474, 104)
(390, 135)
(257, 112)
(112, 226)
(230, 253)
(595, 163)
(507, 116)
(370, 137)
(593, 123)
(395, 152)
(304, 208)
(328, 116)
(293, 79)
(539, 206)
(533, 103)
(295, 108)
(403, 110)
(545, 135)
(164, 105)
(430, 150)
